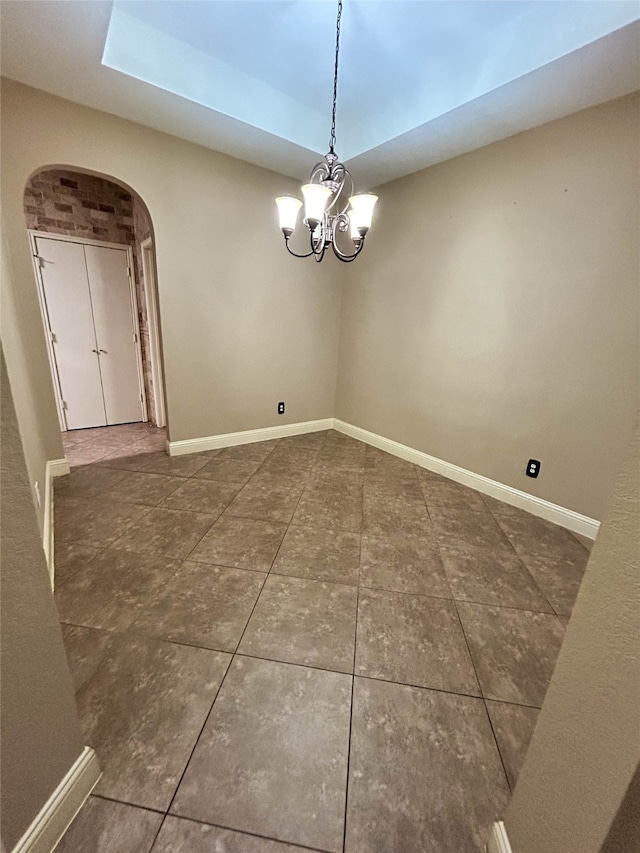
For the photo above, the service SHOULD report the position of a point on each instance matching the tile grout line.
(478, 696)
(353, 679)
(484, 702)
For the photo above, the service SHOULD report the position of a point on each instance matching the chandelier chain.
(332, 138)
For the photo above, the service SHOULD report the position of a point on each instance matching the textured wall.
(494, 314)
(40, 734)
(59, 201)
(578, 772)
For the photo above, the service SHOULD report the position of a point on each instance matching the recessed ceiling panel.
(403, 63)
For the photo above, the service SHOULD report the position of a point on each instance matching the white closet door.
(68, 306)
(115, 334)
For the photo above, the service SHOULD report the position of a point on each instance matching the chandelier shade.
(288, 209)
(316, 198)
(328, 212)
(362, 210)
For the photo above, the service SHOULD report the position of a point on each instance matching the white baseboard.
(536, 506)
(62, 806)
(498, 840)
(54, 468)
(230, 439)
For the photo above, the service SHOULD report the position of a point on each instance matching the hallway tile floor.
(299, 644)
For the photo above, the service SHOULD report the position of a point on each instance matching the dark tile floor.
(299, 644)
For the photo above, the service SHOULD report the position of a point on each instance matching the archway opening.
(94, 262)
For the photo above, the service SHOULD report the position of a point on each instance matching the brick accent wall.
(78, 205)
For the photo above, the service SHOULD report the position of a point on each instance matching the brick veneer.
(79, 205)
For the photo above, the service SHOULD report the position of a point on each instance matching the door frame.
(46, 235)
(150, 291)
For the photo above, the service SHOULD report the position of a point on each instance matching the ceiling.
(420, 80)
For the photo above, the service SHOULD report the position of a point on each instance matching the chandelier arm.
(347, 258)
(295, 254)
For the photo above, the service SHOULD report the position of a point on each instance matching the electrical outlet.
(36, 488)
(281, 408)
(533, 468)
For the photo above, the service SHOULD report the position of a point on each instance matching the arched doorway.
(94, 262)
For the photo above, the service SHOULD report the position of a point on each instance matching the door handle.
(98, 351)
(103, 350)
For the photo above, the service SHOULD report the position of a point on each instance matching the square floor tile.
(445, 494)
(513, 727)
(208, 496)
(272, 758)
(394, 515)
(242, 543)
(329, 507)
(414, 640)
(228, 470)
(381, 464)
(142, 711)
(141, 487)
(87, 482)
(110, 591)
(70, 558)
(380, 485)
(266, 502)
(424, 775)
(85, 649)
(491, 576)
(202, 605)
(179, 835)
(530, 535)
(303, 621)
(281, 475)
(339, 454)
(178, 466)
(403, 564)
(126, 459)
(94, 521)
(558, 578)
(470, 530)
(254, 452)
(104, 826)
(171, 532)
(514, 651)
(326, 555)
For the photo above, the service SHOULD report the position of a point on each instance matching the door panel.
(114, 326)
(68, 306)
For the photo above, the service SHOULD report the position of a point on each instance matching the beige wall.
(244, 325)
(494, 314)
(576, 786)
(40, 734)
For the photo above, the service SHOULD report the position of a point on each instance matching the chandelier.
(330, 208)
